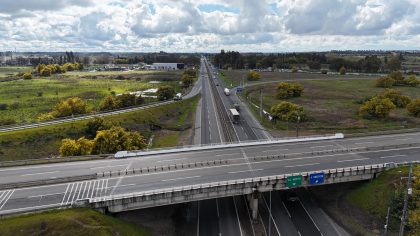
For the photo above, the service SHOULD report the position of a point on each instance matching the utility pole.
(261, 103)
(408, 192)
(387, 222)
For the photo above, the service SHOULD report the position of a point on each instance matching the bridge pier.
(253, 204)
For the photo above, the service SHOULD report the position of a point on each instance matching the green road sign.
(294, 181)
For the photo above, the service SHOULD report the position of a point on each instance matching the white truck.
(227, 92)
(178, 97)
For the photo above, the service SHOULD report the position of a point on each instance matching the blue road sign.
(239, 89)
(316, 178)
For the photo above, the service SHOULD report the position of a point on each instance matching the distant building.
(168, 66)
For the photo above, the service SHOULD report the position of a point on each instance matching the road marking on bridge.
(359, 159)
(392, 156)
(45, 195)
(5, 196)
(191, 177)
(228, 154)
(85, 189)
(105, 167)
(323, 146)
(362, 143)
(310, 164)
(241, 171)
(179, 159)
(276, 150)
(42, 173)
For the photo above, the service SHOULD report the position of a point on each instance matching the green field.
(13, 70)
(332, 106)
(176, 119)
(27, 99)
(72, 222)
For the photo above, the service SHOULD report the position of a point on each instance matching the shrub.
(398, 77)
(71, 106)
(93, 126)
(27, 76)
(7, 121)
(165, 92)
(287, 111)
(253, 76)
(385, 82)
(396, 97)
(14, 106)
(117, 139)
(287, 90)
(412, 81)
(127, 100)
(187, 80)
(376, 108)
(413, 108)
(39, 94)
(70, 147)
(343, 70)
(3, 106)
(109, 103)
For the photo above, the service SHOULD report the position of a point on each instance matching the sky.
(209, 25)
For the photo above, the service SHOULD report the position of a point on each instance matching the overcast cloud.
(208, 25)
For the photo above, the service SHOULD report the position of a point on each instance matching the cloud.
(209, 25)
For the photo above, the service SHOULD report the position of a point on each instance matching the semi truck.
(227, 92)
(235, 116)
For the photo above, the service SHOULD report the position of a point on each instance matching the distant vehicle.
(178, 97)
(217, 84)
(236, 106)
(214, 77)
(292, 197)
(227, 92)
(235, 116)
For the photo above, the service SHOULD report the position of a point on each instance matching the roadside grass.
(44, 142)
(13, 70)
(70, 222)
(332, 106)
(27, 99)
(238, 77)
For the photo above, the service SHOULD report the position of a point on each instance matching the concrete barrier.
(47, 181)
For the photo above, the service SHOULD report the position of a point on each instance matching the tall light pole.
(297, 126)
(408, 192)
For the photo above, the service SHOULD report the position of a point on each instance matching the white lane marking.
(44, 195)
(124, 185)
(323, 146)
(179, 159)
(287, 210)
(362, 143)
(228, 154)
(271, 217)
(276, 150)
(349, 160)
(393, 156)
(310, 164)
(217, 208)
(106, 186)
(313, 222)
(402, 139)
(1, 196)
(241, 171)
(8, 195)
(70, 193)
(43, 173)
(93, 188)
(29, 208)
(191, 177)
(65, 193)
(75, 191)
(105, 167)
(237, 216)
(82, 186)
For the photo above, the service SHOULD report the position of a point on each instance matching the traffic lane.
(208, 218)
(228, 217)
(300, 218)
(213, 120)
(267, 220)
(280, 215)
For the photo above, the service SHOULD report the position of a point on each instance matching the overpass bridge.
(168, 178)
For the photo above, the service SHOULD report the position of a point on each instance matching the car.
(291, 196)
(217, 84)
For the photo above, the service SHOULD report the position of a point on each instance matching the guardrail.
(54, 160)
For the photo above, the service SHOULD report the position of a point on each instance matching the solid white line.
(192, 177)
(287, 210)
(88, 190)
(80, 191)
(228, 154)
(44, 195)
(322, 146)
(75, 192)
(70, 193)
(276, 150)
(271, 217)
(237, 216)
(241, 171)
(402, 139)
(310, 217)
(102, 188)
(43, 173)
(125, 185)
(360, 159)
(4, 195)
(105, 167)
(106, 186)
(179, 159)
(65, 193)
(7, 199)
(93, 188)
(310, 164)
(1, 196)
(217, 208)
(393, 156)
(29, 208)
(362, 143)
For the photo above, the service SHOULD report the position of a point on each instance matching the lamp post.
(297, 126)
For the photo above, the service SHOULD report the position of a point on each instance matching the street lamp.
(297, 126)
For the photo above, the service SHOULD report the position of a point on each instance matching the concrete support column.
(253, 204)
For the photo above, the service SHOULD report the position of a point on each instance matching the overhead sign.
(294, 181)
(316, 178)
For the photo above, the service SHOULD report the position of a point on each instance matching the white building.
(168, 66)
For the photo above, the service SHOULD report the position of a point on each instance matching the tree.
(110, 102)
(165, 92)
(396, 97)
(253, 76)
(191, 73)
(376, 108)
(117, 139)
(385, 82)
(288, 90)
(398, 77)
(343, 70)
(394, 64)
(187, 80)
(413, 108)
(27, 76)
(127, 100)
(287, 111)
(93, 126)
